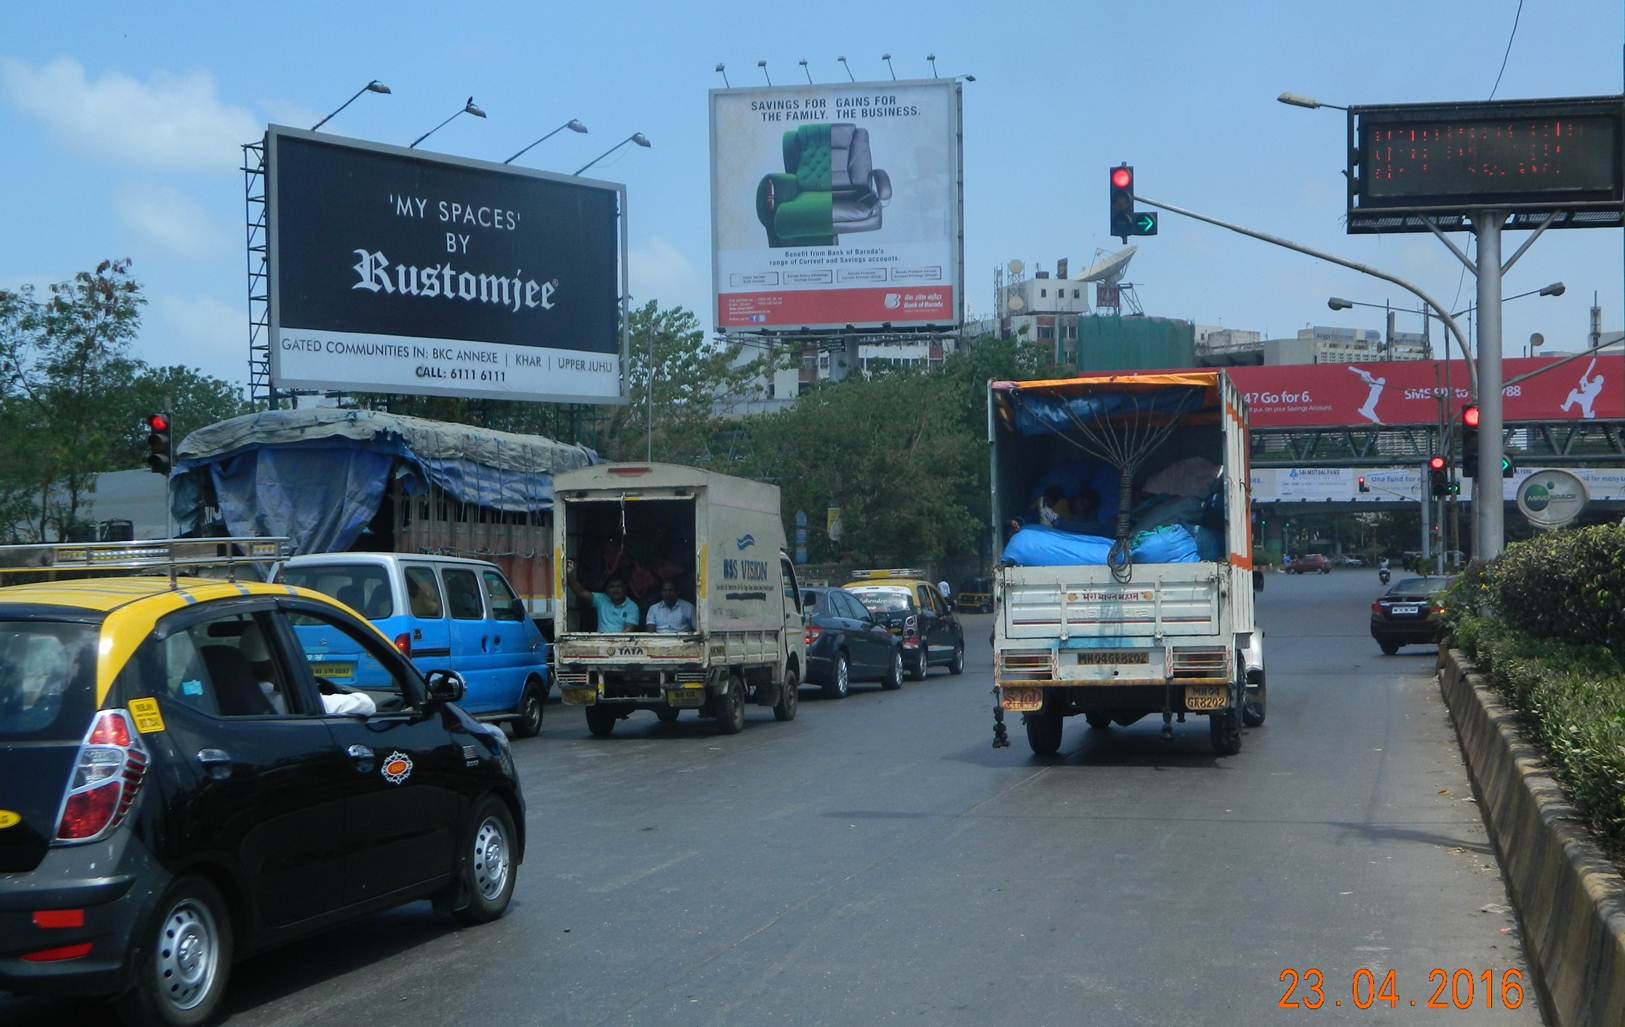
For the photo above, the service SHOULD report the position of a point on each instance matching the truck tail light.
(812, 633)
(106, 778)
(403, 642)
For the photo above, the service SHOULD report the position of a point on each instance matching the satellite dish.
(1015, 302)
(1110, 269)
(1537, 340)
(1016, 266)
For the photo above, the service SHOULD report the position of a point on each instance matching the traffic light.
(1508, 468)
(1361, 482)
(160, 444)
(1439, 475)
(1125, 221)
(1469, 441)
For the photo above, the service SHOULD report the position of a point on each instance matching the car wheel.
(489, 868)
(667, 714)
(789, 696)
(1044, 733)
(730, 704)
(1098, 721)
(1224, 727)
(1389, 648)
(185, 959)
(894, 677)
(1252, 708)
(920, 667)
(601, 720)
(840, 679)
(957, 666)
(529, 722)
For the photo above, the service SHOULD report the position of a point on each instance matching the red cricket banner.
(1407, 392)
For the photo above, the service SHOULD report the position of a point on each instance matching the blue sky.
(122, 123)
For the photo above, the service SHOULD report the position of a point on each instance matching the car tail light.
(106, 777)
(1376, 607)
(52, 919)
(57, 955)
(812, 634)
(1439, 609)
(403, 642)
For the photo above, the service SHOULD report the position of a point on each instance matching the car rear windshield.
(47, 679)
(1419, 587)
(363, 587)
(885, 600)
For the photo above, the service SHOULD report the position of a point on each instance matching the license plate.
(333, 670)
(1205, 697)
(685, 698)
(1022, 700)
(1113, 656)
(1405, 611)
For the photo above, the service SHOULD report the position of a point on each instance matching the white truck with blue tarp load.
(1123, 544)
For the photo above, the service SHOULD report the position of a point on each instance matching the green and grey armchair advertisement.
(829, 187)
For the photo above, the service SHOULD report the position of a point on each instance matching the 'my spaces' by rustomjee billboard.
(836, 205)
(393, 270)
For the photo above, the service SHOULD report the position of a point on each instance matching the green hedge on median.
(1546, 622)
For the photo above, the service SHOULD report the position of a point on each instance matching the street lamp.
(848, 68)
(1294, 100)
(635, 137)
(933, 59)
(573, 125)
(374, 86)
(722, 69)
(887, 58)
(1339, 303)
(467, 108)
(763, 66)
(804, 71)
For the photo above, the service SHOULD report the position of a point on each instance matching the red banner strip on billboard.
(898, 305)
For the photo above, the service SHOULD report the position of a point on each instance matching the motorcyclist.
(1382, 570)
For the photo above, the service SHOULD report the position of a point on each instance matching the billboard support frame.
(271, 270)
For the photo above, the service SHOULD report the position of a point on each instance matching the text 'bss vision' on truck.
(1123, 540)
(719, 540)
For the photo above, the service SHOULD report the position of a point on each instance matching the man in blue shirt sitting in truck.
(616, 611)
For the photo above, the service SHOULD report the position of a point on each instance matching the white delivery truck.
(1123, 539)
(719, 540)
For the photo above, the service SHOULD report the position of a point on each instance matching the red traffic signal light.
(1436, 464)
(1122, 178)
(158, 422)
(1469, 416)
(160, 444)
(1360, 482)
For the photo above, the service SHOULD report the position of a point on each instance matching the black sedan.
(1409, 613)
(845, 643)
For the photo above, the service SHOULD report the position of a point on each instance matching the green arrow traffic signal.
(1145, 222)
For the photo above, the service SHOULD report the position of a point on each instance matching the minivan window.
(463, 595)
(504, 604)
(363, 587)
(47, 679)
(423, 592)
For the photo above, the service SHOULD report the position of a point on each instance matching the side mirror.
(1258, 581)
(445, 686)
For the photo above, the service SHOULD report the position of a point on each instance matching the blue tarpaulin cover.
(1038, 546)
(317, 476)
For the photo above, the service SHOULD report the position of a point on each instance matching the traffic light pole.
(1427, 508)
(1489, 510)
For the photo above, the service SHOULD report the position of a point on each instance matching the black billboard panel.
(393, 270)
(1411, 165)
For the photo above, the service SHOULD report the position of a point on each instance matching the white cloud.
(199, 331)
(660, 271)
(169, 220)
(174, 122)
(282, 112)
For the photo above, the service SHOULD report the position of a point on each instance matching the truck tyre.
(184, 960)
(1252, 709)
(529, 722)
(920, 666)
(1044, 733)
(894, 677)
(1224, 726)
(730, 706)
(1098, 721)
(789, 696)
(601, 720)
(668, 714)
(958, 664)
(840, 679)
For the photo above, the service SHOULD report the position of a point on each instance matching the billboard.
(394, 270)
(1406, 392)
(1404, 484)
(836, 206)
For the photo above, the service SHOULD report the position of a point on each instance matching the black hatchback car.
(179, 787)
(846, 643)
(917, 613)
(1409, 613)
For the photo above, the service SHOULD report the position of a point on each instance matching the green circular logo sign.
(1537, 497)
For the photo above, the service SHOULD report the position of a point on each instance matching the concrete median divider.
(1570, 897)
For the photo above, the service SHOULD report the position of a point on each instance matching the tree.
(192, 399)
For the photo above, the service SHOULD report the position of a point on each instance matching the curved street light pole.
(573, 125)
(467, 108)
(374, 86)
(636, 137)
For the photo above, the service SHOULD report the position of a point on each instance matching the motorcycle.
(1382, 575)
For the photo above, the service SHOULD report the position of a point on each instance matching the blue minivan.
(444, 612)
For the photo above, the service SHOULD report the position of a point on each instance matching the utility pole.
(1488, 509)
(1427, 507)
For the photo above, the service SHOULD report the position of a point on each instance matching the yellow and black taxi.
(916, 611)
(186, 777)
